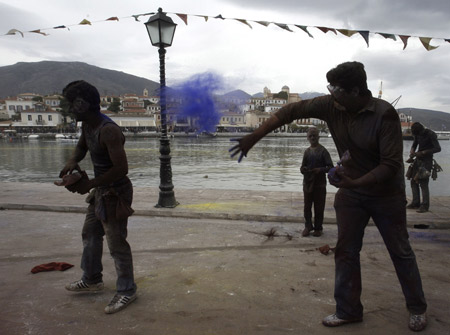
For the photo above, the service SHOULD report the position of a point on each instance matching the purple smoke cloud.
(197, 100)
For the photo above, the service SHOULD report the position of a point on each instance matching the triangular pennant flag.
(391, 36)
(113, 18)
(347, 32)
(38, 31)
(219, 17)
(404, 39)
(183, 17)
(244, 22)
(85, 22)
(326, 30)
(264, 23)
(61, 27)
(426, 43)
(283, 26)
(13, 32)
(365, 35)
(203, 16)
(447, 40)
(136, 17)
(305, 29)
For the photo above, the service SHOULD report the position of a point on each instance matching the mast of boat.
(380, 92)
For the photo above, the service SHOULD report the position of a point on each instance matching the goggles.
(335, 91)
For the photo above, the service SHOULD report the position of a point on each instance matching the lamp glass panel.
(153, 32)
(167, 32)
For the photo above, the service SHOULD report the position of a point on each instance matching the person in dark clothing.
(110, 197)
(425, 140)
(371, 185)
(316, 163)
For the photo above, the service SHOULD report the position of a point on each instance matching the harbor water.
(272, 165)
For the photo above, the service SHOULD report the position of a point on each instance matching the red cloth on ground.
(60, 266)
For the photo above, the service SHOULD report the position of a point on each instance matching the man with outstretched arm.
(110, 198)
(371, 185)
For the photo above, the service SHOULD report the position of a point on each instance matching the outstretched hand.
(244, 145)
(237, 149)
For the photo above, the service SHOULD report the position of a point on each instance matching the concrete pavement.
(202, 203)
(206, 267)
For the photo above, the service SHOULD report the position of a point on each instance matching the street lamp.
(161, 30)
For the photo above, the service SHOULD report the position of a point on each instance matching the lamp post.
(161, 30)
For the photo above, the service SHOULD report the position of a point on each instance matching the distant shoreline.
(194, 135)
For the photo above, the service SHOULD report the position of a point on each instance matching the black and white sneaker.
(81, 286)
(417, 322)
(119, 302)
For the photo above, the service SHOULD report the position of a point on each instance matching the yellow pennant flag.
(264, 23)
(38, 31)
(13, 32)
(244, 22)
(85, 22)
(426, 43)
(203, 16)
(326, 29)
(347, 32)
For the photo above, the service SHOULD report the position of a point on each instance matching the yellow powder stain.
(213, 206)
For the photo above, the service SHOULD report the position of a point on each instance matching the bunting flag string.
(426, 41)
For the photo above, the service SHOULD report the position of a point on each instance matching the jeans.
(115, 230)
(415, 188)
(353, 212)
(316, 197)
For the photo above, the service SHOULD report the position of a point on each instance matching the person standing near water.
(110, 199)
(315, 164)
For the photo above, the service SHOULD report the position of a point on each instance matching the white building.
(40, 115)
(52, 100)
(17, 105)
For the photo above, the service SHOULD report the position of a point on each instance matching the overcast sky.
(248, 59)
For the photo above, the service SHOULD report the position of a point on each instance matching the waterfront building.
(15, 105)
(41, 118)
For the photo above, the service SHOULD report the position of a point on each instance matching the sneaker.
(412, 206)
(81, 286)
(417, 322)
(306, 232)
(422, 210)
(333, 321)
(317, 233)
(119, 302)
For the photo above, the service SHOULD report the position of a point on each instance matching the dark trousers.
(115, 230)
(317, 198)
(353, 212)
(416, 187)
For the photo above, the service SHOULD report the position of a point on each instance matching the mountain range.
(49, 77)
